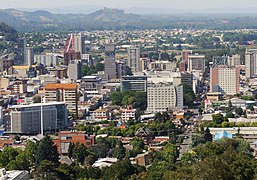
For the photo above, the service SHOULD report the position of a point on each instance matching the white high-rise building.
(251, 63)
(74, 69)
(234, 60)
(225, 80)
(29, 56)
(134, 59)
(79, 43)
(48, 60)
(161, 97)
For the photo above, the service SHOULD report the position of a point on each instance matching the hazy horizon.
(87, 5)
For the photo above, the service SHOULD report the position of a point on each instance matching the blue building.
(220, 135)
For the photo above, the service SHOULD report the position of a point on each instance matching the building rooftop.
(36, 105)
(22, 67)
(60, 86)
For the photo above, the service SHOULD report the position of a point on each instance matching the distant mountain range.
(114, 19)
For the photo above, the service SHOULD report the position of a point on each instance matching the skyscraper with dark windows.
(109, 61)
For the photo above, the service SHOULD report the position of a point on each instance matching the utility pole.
(42, 117)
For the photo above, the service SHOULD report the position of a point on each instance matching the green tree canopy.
(46, 151)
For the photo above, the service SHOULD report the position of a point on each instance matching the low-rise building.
(65, 138)
(129, 113)
(100, 114)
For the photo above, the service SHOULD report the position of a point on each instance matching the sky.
(127, 4)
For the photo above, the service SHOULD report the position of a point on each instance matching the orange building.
(66, 137)
(63, 93)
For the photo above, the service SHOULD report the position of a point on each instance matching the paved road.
(185, 146)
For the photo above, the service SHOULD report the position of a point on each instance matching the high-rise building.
(109, 62)
(134, 83)
(184, 78)
(234, 60)
(225, 80)
(162, 97)
(134, 59)
(71, 55)
(47, 60)
(74, 69)
(79, 43)
(6, 61)
(196, 62)
(162, 65)
(120, 69)
(220, 60)
(251, 63)
(29, 57)
(63, 93)
(26, 119)
(185, 54)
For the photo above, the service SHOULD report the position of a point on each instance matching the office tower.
(162, 97)
(184, 78)
(185, 54)
(109, 62)
(29, 56)
(134, 83)
(26, 119)
(220, 60)
(79, 43)
(234, 60)
(196, 62)
(63, 93)
(162, 65)
(6, 61)
(47, 60)
(182, 66)
(225, 80)
(71, 55)
(121, 69)
(251, 63)
(134, 59)
(74, 69)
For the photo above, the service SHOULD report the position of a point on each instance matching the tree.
(250, 106)
(138, 145)
(21, 162)
(37, 99)
(119, 170)
(71, 150)
(239, 111)
(7, 155)
(80, 152)
(30, 152)
(48, 170)
(119, 151)
(46, 151)
(217, 118)
(230, 115)
(207, 135)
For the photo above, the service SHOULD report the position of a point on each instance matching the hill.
(114, 19)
